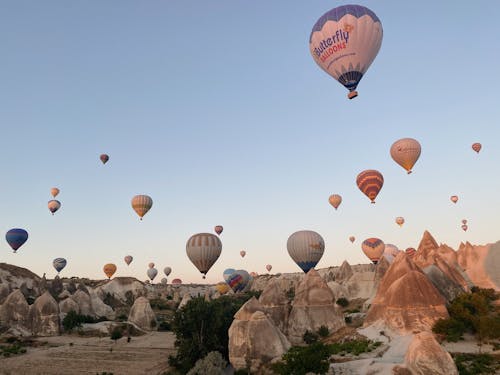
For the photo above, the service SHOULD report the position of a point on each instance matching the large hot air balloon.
(218, 229)
(227, 272)
(352, 239)
(464, 227)
(167, 271)
(344, 42)
(305, 248)
(238, 280)
(222, 287)
(16, 237)
(59, 264)
(54, 205)
(176, 282)
(410, 252)
(152, 272)
(373, 248)
(104, 158)
(370, 182)
(151, 265)
(203, 249)
(335, 200)
(142, 204)
(454, 198)
(476, 147)
(406, 152)
(243, 253)
(54, 191)
(269, 267)
(109, 269)
(128, 259)
(400, 221)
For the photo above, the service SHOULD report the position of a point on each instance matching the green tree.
(302, 360)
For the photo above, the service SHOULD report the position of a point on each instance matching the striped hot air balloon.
(16, 237)
(373, 248)
(477, 147)
(238, 280)
(335, 200)
(109, 270)
(370, 182)
(406, 152)
(306, 248)
(59, 264)
(227, 272)
(142, 204)
(203, 250)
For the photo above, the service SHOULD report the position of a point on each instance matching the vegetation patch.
(476, 364)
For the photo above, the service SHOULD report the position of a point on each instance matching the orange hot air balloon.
(410, 252)
(400, 221)
(352, 239)
(218, 229)
(370, 182)
(142, 204)
(454, 198)
(109, 269)
(104, 158)
(54, 191)
(243, 253)
(406, 152)
(373, 248)
(465, 227)
(335, 200)
(477, 147)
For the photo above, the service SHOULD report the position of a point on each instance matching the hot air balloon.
(167, 271)
(243, 253)
(222, 287)
(128, 259)
(176, 282)
(390, 252)
(344, 42)
(465, 227)
(152, 272)
(370, 182)
(254, 274)
(373, 248)
(59, 264)
(400, 221)
(104, 158)
(410, 252)
(203, 249)
(54, 191)
(269, 268)
(335, 200)
(476, 147)
(227, 272)
(109, 269)
(352, 239)
(464, 221)
(218, 229)
(151, 265)
(164, 281)
(454, 198)
(142, 204)
(305, 248)
(406, 152)
(238, 280)
(16, 237)
(54, 205)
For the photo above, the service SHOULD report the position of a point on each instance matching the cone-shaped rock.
(67, 305)
(481, 264)
(142, 315)
(82, 299)
(44, 316)
(344, 273)
(14, 312)
(276, 304)
(426, 357)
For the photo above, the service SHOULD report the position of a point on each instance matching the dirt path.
(146, 354)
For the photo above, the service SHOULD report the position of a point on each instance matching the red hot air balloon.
(373, 249)
(370, 182)
(454, 198)
(104, 158)
(218, 229)
(476, 147)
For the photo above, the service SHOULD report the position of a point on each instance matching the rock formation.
(142, 315)
(44, 316)
(14, 312)
(253, 338)
(123, 290)
(344, 273)
(13, 277)
(82, 299)
(67, 305)
(426, 357)
(99, 308)
(276, 305)
(481, 264)
(313, 306)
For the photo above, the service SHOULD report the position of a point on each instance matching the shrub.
(323, 331)
(164, 326)
(212, 364)
(302, 360)
(450, 328)
(344, 302)
(116, 334)
(476, 364)
(310, 337)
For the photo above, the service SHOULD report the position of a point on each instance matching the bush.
(302, 360)
(476, 364)
(450, 328)
(355, 347)
(323, 331)
(116, 334)
(344, 302)
(164, 326)
(212, 364)
(310, 337)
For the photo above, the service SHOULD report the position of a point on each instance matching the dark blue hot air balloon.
(59, 264)
(16, 237)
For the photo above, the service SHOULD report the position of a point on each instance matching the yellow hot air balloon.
(400, 221)
(222, 287)
(370, 182)
(109, 269)
(54, 191)
(203, 250)
(142, 204)
(335, 200)
(373, 248)
(406, 152)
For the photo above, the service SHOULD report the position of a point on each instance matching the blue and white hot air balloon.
(344, 42)
(59, 264)
(16, 237)
(306, 248)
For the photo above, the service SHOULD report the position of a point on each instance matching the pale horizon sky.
(219, 113)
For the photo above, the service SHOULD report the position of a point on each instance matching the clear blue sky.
(219, 113)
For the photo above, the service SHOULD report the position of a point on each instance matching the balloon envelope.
(218, 229)
(390, 252)
(54, 191)
(370, 182)
(16, 237)
(306, 248)
(476, 147)
(59, 264)
(243, 253)
(269, 268)
(203, 250)
(464, 221)
(400, 221)
(335, 200)
(352, 239)
(109, 269)
(164, 281)
(167, 271)
(128, 259)
(454, 198)
(406, 152)
(344, 42)
(464, 227)
(238, 280)
(152, 272)
(151, 265)
(104, 158)
(222, 287)
(227, 272)
(373, 248)
(54, 205)
(176, 282)
(142, 204)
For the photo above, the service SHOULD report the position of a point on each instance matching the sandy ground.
(146, 354)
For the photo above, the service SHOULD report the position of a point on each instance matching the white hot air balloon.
(152, 272)
(167, 271)
(306, 248)
(203, 250)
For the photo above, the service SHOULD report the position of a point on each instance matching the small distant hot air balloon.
(109, 269)
(269, 268)
(406, 152)
(335, 200)
(176, 282)
(464, 227)
(254, 274)
(152, 272)
(454, 198)
(203, 250)
(142, 204)
(476, 147)
(16, 237)
(306, 248)
(59, 264)
(128, 259)
(104, 158)
(167, 271)
(243, 253)
(410, 252)
(151, 265)
(54, 191)
(464, 221)
(370, 182)
(164, 281)
(373, 248)
(352, 239)
(238, 280)
(54, 205)
(222, 287)
(218, 229)
(344, 42)
(400, 221)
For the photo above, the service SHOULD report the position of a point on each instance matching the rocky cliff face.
(276, 305)
(14, 313)
(44, 316)
(481, 264)
(142, 315)
(13, 277)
